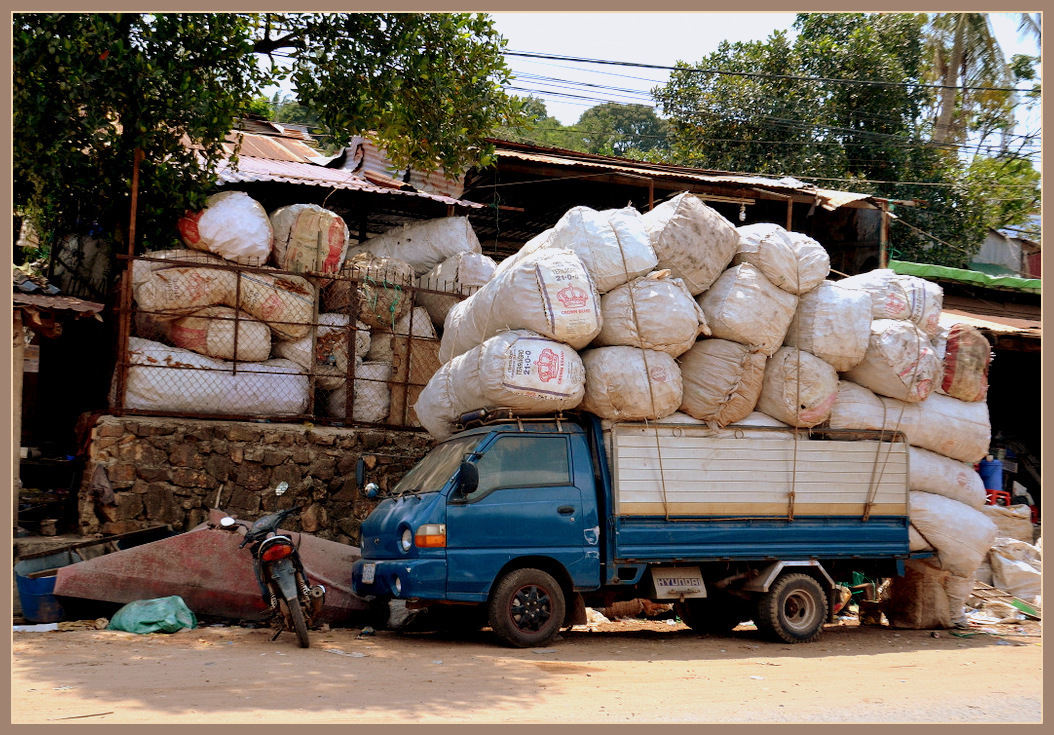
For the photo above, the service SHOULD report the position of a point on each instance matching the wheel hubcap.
(530, 608)
(798, 611)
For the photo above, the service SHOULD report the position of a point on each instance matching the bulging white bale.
(798, 388)
(330, 363)
(164, 378)
(935, 473)
(162, 288)
(285, 302)
(1013, 521)
(517, 369)
(944, 425)
(549, 293)
(961, 535)
(925, 299)
(889, 300)
(915, 540)
(375, 289)
(423, 245)
(216, 331)
(967, 355)
(721, 381)
(1017, 568)
(744, 306)
(296, 239)
(958, 429)
(460, 275)
(656, 312)
(833, 323)
(233, 225)
(899, 363)
(630, 384)
(372, 398)
(613, 244)
(691, 239)
(382, 341)
(790, 260)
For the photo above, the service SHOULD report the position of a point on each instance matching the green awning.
(926, 270)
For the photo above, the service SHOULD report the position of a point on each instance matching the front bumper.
(423, 579)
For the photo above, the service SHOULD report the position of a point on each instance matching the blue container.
(991, 471)
(37, 595)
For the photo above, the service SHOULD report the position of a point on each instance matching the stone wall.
(172, 471)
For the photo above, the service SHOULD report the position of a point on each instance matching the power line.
(762, 75)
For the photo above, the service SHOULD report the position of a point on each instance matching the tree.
(848, 100)
(972, 69)
(618, 129)
(90, 89)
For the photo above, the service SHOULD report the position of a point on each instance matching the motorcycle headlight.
(406, 541)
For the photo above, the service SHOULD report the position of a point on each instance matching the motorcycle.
(283, 582)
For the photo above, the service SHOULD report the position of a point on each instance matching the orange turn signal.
(431, 536)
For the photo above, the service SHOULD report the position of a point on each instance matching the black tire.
(527, 608)
(716, 615)
(296, 617)
(794, 610)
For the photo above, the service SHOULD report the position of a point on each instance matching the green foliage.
(90, 89)
(801, 120)
(615, 129)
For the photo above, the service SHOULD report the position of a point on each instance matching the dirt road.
(631, 671)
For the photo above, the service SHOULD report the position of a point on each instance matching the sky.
(650, 38)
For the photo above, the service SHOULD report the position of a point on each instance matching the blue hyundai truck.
(521, 523)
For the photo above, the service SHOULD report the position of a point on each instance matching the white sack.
(372, 394)
(163, 378)
(374, 289)
(1017, 568)
(790, 260)
(899, 363)
(961, 535)
(691, 239)
(925, 300)
(460, 275)
(958, 589)
(934, 473)
(655, 312)
(549, 293)
(215, 330)
(629, 384)
(613, 244)
(518, 369)
(233, 225)
(798, 388)
(915, 540)
(166, 289)
(944, 425)
(833, 323)
(382, 340)
(285, 302)
(967, 354)
(296, 246)
(745, 307)
(889, 300)
(1013, 521)
(423, 245)
(330, 363)
(721, 381)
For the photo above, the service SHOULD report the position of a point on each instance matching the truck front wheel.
(527, 608)
(793, 610)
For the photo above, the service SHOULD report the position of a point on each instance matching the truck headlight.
(406, 540)
(397, 586)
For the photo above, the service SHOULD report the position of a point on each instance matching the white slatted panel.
(749, 476)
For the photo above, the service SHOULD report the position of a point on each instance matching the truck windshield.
(438, 466)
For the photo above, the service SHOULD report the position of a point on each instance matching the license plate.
(369, 571)
(675, 582)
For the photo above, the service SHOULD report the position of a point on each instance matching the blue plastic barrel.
(37, 595)
(991, 471)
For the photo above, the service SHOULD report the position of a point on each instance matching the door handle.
(566, 510)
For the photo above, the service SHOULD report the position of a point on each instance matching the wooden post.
(125, 317)
(17, 361)
(883, 235)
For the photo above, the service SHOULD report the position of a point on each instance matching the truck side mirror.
(360, 473)
(468, 478)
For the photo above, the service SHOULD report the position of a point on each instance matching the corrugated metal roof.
(1018, 319)
(273, 147)
(365, 157)
(252, 169)
(57, 303)
(830, 199)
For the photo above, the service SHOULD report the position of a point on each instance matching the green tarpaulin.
(925, 270)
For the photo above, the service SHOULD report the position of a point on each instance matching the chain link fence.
(202, 337)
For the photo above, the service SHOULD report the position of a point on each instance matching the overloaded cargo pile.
(677, 315)
(232, 327)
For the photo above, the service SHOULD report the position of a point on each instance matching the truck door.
(526, 504)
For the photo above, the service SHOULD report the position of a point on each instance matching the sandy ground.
(626, 671)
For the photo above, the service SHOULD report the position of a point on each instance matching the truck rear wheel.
(793, 610)
(527, 608)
